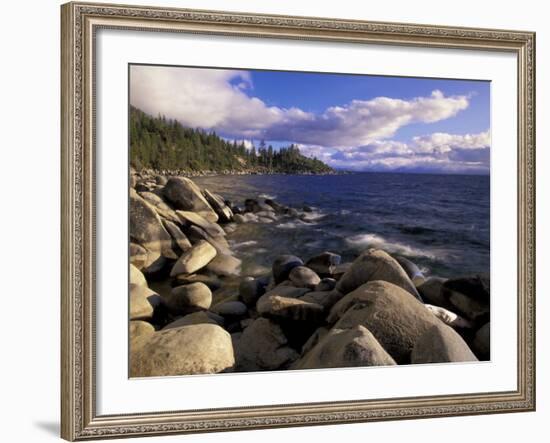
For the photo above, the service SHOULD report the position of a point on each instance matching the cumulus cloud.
(218, 99)
(438, 152)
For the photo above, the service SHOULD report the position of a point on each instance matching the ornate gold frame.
(79, 23)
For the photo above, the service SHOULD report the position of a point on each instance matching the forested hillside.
(163, 144)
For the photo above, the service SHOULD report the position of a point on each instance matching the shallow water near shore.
(440, 222)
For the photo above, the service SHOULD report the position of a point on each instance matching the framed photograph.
(277, 221)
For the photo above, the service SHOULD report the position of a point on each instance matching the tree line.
(164, 144)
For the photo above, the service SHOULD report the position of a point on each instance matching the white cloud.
(217, 99)
(442, 142)
(438, 152)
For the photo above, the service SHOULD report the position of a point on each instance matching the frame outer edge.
(68, 402)
(78, 420)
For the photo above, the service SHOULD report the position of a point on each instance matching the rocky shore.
(193, 312)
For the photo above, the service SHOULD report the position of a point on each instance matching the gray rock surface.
(346, 348)
(375, 264)
(186, 195)
(394, 316)
(441, 344)
(187, 350)
(195, 258)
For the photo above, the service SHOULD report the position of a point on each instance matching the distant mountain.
(163, 144)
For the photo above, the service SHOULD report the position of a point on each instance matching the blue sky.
(353, 122)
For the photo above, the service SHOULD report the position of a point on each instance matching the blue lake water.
(441, 222)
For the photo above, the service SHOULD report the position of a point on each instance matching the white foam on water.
(268, 196)
(313, 216)
(372, 240)
(293, 224)
(245, 244)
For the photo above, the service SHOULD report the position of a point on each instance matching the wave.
(372, 240)
(268, 196)
(293, 224)
(312, 216)
(245, 244)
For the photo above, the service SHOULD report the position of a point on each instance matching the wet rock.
(239, 219)
(315, 338)
(185, 195)
(251, 289)
(431, 293)
(482, 342)
(263, 347)
(411, 269)
(441, 344)
(325, 263)
(470, 296)
(394, 316)
(346, 348)
(189, 298)
(283, 264)
(375, 264)
(326, 284)
(200, 254)
(225, 265)
(231, 309)
(193, 349)
(303, 277)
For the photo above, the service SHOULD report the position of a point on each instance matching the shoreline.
(178, 234)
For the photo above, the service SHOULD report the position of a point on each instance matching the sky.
(351, 122)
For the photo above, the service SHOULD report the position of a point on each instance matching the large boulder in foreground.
(375, 264)
(441, 344)
(346, 348)
(140, 332)
(394, 316)
(146, 227)
(200, 254)
(193, 349)
(186, 195)
(263, 347)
